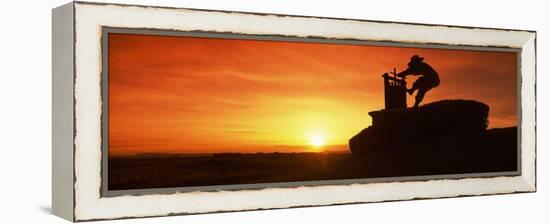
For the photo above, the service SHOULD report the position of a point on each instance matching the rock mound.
(445, 137)
(399, 128)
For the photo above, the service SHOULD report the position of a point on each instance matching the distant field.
(158, 171)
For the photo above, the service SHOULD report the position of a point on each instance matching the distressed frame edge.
(530, 183)
(294, 15)
(528, 115)
(62, 76)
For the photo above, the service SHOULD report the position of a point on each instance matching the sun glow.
(317, 140)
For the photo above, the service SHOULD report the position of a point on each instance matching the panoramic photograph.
(188, 111)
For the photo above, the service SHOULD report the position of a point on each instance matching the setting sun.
(317, 140)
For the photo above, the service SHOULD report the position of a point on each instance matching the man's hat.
(416, 58)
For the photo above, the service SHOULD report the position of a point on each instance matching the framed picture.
(162, 111)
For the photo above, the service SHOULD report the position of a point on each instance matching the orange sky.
(189, 95)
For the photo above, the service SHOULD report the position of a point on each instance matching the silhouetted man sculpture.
(429, 79)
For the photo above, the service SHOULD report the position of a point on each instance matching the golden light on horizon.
(317, 140)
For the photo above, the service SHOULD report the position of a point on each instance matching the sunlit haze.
(203, 95)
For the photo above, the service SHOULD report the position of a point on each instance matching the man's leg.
(420, 96)
(416, 85)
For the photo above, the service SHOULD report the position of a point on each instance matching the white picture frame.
(77, 111)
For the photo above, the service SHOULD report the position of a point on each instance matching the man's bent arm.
(408, 71)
